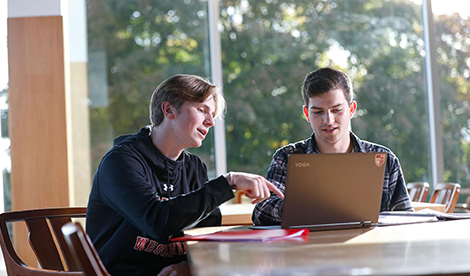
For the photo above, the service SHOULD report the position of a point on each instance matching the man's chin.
(331, 141)
(330, 138)
(195, 145)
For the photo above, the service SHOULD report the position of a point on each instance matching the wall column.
(38, 114)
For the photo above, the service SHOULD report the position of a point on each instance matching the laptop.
(333, 191)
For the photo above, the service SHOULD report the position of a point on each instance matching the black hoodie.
(140, 199)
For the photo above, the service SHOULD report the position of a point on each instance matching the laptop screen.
(333, 191)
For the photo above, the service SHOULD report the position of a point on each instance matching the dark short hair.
(182, 88)
(324, 80)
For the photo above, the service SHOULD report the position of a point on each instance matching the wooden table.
(414, 249)
(237, 214)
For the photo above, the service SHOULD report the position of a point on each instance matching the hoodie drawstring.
(168, 179)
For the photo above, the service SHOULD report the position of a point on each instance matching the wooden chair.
(238, 195)
(464, 207)
(418, 191)
(83, 250)
(45, 238)
(446, 193)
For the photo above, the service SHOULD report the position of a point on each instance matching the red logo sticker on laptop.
(379, 159)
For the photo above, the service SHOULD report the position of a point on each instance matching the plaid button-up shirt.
(394, 194)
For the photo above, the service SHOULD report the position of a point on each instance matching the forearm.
(268, 212)
(161, 219)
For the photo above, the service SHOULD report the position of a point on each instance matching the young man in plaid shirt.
(329, 107)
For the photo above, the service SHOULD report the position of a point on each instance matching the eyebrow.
(334, 106)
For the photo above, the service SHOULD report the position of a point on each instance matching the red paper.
(249, 235)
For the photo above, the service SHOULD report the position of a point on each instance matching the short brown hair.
(182, 88)
(324, 80)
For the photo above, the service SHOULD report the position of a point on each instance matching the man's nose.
(328, 118)
(209, 122)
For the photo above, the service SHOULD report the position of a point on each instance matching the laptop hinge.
(341, 225)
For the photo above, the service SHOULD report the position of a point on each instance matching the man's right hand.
(255, 186)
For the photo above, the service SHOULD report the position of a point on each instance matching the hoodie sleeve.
(123, 186)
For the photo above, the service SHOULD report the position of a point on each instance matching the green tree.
(268, 47)
(453, 48)
(145, 42)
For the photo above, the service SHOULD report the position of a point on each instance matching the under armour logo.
(165, 187)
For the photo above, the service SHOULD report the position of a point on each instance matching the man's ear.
(352, 108)
(168, 110)
(305, 109)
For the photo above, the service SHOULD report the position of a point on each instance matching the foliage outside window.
(453, 50)
(268, 46)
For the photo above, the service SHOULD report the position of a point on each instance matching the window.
(452, 32)
(269, 47)
(5, 167)
(133, 47)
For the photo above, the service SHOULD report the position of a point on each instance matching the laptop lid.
(333, 191)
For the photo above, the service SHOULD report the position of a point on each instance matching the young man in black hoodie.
(148, 189)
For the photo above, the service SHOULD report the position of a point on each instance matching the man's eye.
(337, 110)
(201, 110)
(317, 112)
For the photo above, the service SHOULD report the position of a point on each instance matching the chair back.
(83, 250)
(46, 240)
(464, 207)
(418, 191)
(446, 193)
(238, 196)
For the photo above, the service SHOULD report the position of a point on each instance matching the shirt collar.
(357, 144)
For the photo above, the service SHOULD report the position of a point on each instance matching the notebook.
(333, 191)
(247, 235)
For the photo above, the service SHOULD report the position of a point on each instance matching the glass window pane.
(452, 31)
(133, 47)
(269, 46)
(5, 160)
